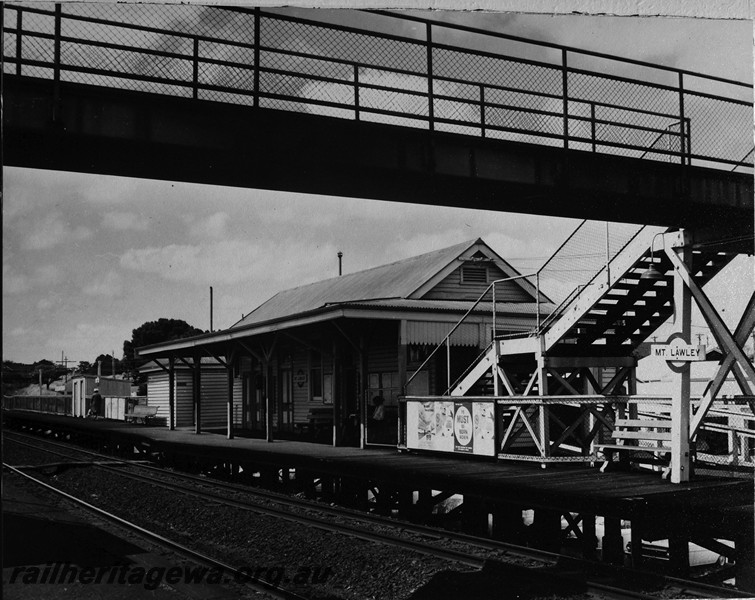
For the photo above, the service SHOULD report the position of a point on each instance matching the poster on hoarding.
(484, 428)
(426, 426)
(456, 427)
(464, 442)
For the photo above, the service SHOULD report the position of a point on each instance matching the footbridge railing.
(365, 67)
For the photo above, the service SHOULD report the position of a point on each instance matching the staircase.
(611, 315)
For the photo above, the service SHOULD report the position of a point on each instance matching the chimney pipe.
(340, 263)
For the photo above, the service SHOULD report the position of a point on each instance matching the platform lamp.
(652, 273)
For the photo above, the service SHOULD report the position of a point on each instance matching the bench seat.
(141, 413)
(626, 435)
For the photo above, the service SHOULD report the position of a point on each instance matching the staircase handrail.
(446, 339)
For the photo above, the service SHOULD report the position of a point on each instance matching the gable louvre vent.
(474, 274)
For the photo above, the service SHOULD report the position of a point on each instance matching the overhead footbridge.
(381, 106)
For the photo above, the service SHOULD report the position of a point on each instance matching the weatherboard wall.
(454, 287)
(214, 397)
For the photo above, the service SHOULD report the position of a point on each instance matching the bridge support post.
(613, 543)
(680, 403)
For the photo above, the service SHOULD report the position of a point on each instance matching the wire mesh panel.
(405, 71)
(584, 254)
(726, 437)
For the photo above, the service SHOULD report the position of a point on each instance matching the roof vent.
(474, 273)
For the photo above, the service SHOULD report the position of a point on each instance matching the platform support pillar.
(546, 529)
(305, 482)
(613, 543)
(589, 539)
(745, 567)
(383, 499)
(424, 506)
(405, 503)
(678, 555)
(636, 541)
(474, 516)
(507, 523)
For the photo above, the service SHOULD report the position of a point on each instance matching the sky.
(86, 259)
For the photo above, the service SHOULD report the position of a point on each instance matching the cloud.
(15, 282)
(109, 286)
(100, 337)
(214, 227)
(52, 230)
(231, 261)
(46, 303)
(125, 221)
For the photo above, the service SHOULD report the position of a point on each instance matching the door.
(285, 400)
(253, 392)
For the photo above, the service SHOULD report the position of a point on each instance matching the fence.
(115, 407)
(442, 77)
(58, 405)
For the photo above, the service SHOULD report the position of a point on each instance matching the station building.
(315, 361)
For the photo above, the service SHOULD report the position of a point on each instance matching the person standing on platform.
(95, 408)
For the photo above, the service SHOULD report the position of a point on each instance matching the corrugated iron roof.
(397, 280)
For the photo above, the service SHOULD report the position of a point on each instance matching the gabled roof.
(405, 279)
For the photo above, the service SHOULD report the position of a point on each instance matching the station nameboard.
(677, 350)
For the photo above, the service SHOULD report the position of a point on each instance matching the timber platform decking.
(640, 495)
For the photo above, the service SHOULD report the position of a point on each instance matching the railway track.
(600, 582)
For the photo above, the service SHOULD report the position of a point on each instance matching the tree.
(106, 365)
(154, 332)
(84, 367)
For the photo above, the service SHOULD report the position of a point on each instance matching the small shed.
(114, 391)
(214, 392)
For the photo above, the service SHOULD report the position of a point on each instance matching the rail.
(570, 98)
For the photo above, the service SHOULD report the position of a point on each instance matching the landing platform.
(628, 495)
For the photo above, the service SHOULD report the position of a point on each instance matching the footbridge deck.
(228, 96)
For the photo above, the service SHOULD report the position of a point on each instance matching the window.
(385, 385)
(474, 274)
(327, 388)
